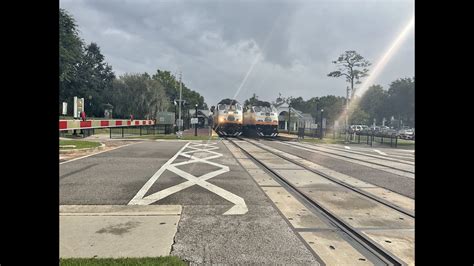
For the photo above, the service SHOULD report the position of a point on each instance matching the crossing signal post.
(195, 125)
(78, 107)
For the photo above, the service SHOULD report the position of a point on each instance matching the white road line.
(239, 204)
(155, 177)
(78, 158)
(347, 147)
(379, 152)
(412, 151)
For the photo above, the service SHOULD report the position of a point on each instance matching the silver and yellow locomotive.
(227, 118)
(261, 119)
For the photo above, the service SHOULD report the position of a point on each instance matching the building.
(203, 117)
(297, 119)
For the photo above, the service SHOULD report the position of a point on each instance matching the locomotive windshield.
(233, 107)
(263, 109)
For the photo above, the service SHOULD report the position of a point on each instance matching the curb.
(101, 147)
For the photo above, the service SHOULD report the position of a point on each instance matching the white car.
(406, 134)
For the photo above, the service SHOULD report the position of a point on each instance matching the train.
(227, 118)
(261, 119)
(230, 118)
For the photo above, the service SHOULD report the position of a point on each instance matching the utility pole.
(180, 94)
(321, 130)
(347, 114)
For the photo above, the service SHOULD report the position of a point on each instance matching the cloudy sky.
(237, 48)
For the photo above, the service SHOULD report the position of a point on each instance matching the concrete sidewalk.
(112, 231)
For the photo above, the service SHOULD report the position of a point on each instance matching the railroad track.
(335, 180)
(377, 164)
(386, 158)
(379, 254)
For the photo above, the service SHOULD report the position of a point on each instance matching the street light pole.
(289, 117)
(179, 108)
(347, 116)
(289, 113)
(195, 125)
(321, 135)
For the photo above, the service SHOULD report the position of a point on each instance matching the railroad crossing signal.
(78, 107)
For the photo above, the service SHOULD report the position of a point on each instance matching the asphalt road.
(257, 234)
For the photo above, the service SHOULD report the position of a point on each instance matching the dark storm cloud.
(214, 43)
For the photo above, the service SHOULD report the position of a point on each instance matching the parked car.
(357, 128)
(374, 130)
(383, 131)
(406, 134)
(388, 132)
(365, 130)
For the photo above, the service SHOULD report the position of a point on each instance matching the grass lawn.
(168, 260)
(79, 144)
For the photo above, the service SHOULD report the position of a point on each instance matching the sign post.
(64, 108)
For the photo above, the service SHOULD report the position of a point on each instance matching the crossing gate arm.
(90, 124)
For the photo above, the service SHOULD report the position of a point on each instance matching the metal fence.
(369, 138)
(122, 132)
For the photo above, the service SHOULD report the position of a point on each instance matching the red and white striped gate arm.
(78, 124)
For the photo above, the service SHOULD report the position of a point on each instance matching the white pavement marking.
(82, 157)
(412, 151)
(239, 204)
(347, 147)
(379, 152)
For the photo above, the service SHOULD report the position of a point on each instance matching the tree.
(357, 116)
(375, 103)
(353, 66)
(93, 78)
(333, 107)
(298, 103)
(401, 95)
(70, 54)
(251, 101)
(138, 95)
(171, 86)
(84, 73)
